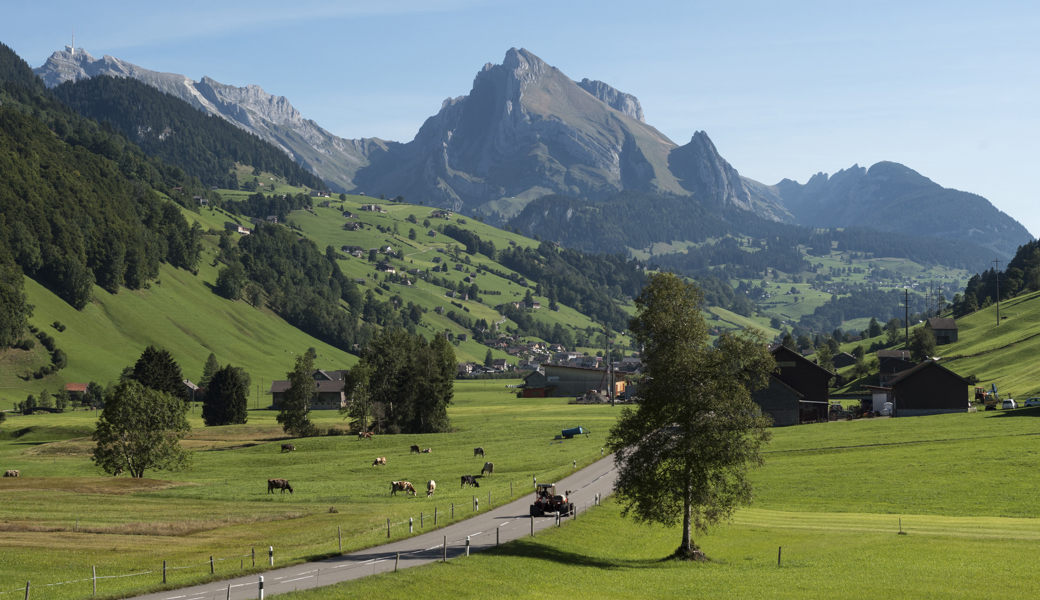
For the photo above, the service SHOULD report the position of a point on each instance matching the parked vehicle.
(1032, 402)
(1009, 403)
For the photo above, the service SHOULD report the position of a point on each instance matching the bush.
(57, 325)
(26, 344)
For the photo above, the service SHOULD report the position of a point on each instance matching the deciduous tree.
(296, 400)
(140, 429)
(683, 454)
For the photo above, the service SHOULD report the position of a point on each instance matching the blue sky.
(784, 89)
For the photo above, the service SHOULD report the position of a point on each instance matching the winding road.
(499, 525)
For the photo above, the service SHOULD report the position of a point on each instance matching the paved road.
(511, 521)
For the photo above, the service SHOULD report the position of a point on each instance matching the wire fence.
(473, 507)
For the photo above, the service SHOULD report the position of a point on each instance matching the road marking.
(174, 597)
(433, 548)
(297, 579)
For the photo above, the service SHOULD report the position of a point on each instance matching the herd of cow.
(395, 486)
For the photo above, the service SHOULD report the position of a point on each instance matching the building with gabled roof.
(945, 330)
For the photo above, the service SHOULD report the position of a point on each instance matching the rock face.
(619, 101)
(272, 118)
(892, 197)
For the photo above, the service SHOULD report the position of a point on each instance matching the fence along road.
(512, 521)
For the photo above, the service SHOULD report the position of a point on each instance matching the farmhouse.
(945, 330)
(236, 228)
(328, 391)
(565, 381)
(844, 360)
(927, 389)
(891, 362)
(798, 390)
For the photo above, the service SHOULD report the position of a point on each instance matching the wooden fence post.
(211, 565)
(93, 576)
(164, 571)
(253, 550)
(26, 590)
(339, 534)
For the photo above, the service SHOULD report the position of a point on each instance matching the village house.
(236, 228)
(945, 330)
(328, 391)
(926, 389)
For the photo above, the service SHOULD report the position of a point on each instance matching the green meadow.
(834, 496)
(62, 515)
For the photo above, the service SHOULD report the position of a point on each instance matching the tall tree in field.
(157, 370)
(226, 402)
(432, 386)
(140, 429)
(683, 454)
(208, 370)
(296, 402)
(359, 399)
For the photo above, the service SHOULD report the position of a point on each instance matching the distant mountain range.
(527, 130)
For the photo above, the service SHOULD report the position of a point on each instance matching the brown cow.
(278, 484)
(401, 486)
(478, 452)
(427, 450)
(414, 449)
(364, 435)
(379, 461)
(430, 486)
(11, 473)
(288, 448)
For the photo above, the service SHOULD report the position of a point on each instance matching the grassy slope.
(180, 313)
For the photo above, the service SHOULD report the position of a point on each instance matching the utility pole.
(906, 320)
(997, 274)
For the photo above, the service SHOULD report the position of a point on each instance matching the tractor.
(546, 500)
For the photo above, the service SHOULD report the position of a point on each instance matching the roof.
(570, 367)
(783, 348)
(924, 365)
(187, 383)
(944, 323)
(76, 387)
(321, 386)
(903, 354)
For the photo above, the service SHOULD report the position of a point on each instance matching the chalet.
(236, 228)
(349, 215)
(320, 194)
(502, 364)
(432, 233)
(76, 391)
(843, 360)
(462, 337)
(352, 249)
(926, 389)
(804, 394)
(440, 214)
(327, 395)
(190, 389)
(439, 310)
(437, 259)
(891, 362)
(203, 201)
(535, 305)
(945, 330)
(459, 267)
(272, 218)
(386, 267)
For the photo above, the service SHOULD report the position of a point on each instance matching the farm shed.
(929, 389)
(945, 330)
(574, 381)
(801, 374)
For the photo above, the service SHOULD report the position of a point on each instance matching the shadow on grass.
(538, 551)
(1033, 411)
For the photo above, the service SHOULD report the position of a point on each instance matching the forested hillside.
(205, 146)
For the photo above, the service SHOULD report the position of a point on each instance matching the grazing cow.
(401, 486)
(278, 484)
(478, 451)
(288, 448)
(379, 461)
(12, 473)
(430, 486)
(364, 435)
(469, 480)
(489, 468)
(427, 450)
(414, 449)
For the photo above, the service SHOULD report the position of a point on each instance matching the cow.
(364, 435)
(288, 448)
(469, 480)
(278, 484)
(414, 449)
(11, 473)
(430, 486)
(379, 461)
(427, 451)
(401, 486)
(489, 468)
(478, 451)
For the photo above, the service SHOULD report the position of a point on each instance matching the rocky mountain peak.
(619, 101)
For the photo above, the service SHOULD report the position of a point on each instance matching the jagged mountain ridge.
(270, 117)
(526, 130)
(892, 197)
